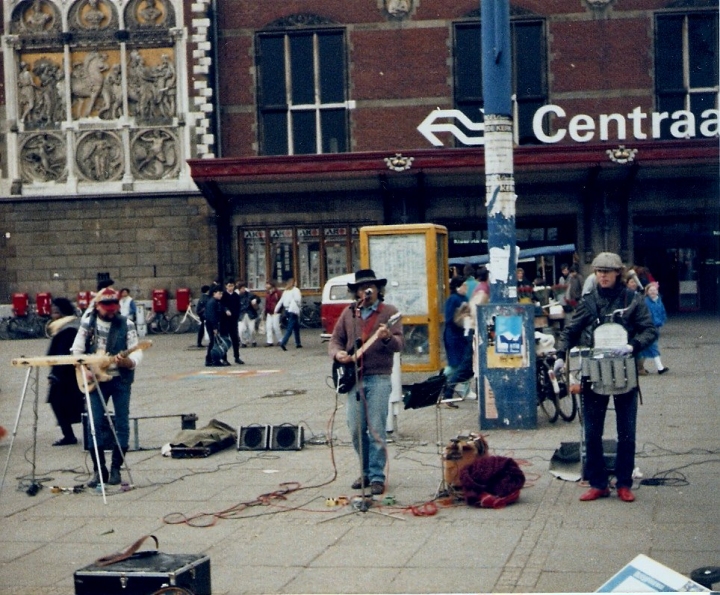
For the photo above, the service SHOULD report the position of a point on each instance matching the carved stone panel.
(149, 14)
(99, 156)
(92, 16)
(34, 17)
(152, 85)
(41, 91)
(43, 158)
(155, 154)
(95, 84)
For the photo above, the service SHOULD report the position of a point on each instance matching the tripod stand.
(32, 382)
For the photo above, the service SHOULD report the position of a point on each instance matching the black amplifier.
(145, 574)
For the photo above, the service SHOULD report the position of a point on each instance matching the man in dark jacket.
(205, 297)
(249, 303)
(214, 314)
(229, 325)
(610, 301)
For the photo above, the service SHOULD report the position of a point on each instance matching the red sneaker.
(594, 494)
(626, 495)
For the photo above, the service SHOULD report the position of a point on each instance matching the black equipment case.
(144, 574)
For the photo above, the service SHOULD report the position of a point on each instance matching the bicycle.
(185, 322)
(157, 322)
(310, 316)
(553, 395)
(30, 326)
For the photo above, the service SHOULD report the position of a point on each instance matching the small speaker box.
(286, 437)
(253, 437)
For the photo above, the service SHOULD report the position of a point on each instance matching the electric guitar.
(99, 367)
(343, 375)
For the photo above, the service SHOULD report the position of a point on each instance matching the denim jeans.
(293, 326)
(370, 402)
(594, 409)
(119, 390)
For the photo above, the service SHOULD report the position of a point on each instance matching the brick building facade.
(300, 123)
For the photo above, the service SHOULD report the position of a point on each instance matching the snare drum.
(609, 374)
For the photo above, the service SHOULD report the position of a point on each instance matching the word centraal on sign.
(583, 128)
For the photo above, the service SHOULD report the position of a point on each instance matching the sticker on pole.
(508, 335)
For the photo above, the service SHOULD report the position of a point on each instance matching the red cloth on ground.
(492, 482)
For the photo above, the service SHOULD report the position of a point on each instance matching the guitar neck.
(389, 324)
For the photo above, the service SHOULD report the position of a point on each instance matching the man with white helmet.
(610, 295)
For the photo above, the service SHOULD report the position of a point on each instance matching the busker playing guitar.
(106, 330)
(364, 320)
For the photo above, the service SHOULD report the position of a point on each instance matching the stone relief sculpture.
(151, 90)
(26, 92)
(92, 20)
(50, 91)
(32, 18)
(86, 82)
(149, 15)
(154, 154)
(50, 108)
(398, 9)
(112, 94)
(43, 159)
(99, 157)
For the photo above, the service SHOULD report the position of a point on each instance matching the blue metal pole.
(506, 348)
(499, 176)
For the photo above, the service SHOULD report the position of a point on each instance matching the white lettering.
(605, 120)
(579, 124)
(656, 119)
(636, 117)
(685, 126)
(538, 124)
(710, 126)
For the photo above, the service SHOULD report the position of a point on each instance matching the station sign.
(581, 128)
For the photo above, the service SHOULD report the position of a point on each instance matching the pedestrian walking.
(200, 309)
(229, 324)
(291, 301)
(654, 303)
(273, 334)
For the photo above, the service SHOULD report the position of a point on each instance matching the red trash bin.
(20, 303)
(43, 301)
(159, 301)
(183, 299)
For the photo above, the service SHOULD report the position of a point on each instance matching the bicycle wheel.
(4, 333)
(163, 323)
(180, 323)
(566, 402)
(546, 396)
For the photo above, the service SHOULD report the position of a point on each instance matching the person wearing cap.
(105, 330)
(608, 296)
(367, 404)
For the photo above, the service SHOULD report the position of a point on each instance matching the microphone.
(368, 292)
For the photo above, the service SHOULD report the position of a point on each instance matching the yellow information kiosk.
(413, 259)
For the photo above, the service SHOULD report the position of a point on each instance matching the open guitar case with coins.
(134, 572)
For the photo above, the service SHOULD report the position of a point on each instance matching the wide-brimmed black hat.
(366, 276)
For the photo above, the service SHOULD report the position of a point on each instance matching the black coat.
(66, 399)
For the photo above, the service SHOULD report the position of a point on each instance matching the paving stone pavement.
(265, 521)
